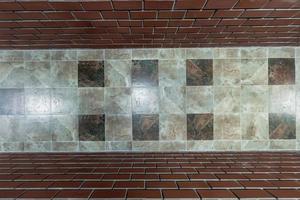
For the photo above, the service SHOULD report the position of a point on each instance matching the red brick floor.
(150, 175)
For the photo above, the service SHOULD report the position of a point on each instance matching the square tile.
(255, 126)
(254, 98)
(144, 73)
(37, 128)
(117, 73)
(227, 99)
(118, 127)
(12, 74)
(37, 101)
(227, 72)
(117, 100)
(91, 74)
(91, 100)
(145, 100)
(39, 74)
(118, 146)
(282, 126)
(281, 71)
(227, 127)
(12, 128)
(254, 52)
(118, 53)
(199, 99)
(199, 72)
(64, 73)
(64, 127)
(63, 55)
(172, 100)
(281, 52)
(65, 146)
(226, 53)
(172, 127)
(282, 99)
(64, 101)
(172, 73)
(91, 127)
(200, 126)
(145, 127)
(12, 102)
(254, 71)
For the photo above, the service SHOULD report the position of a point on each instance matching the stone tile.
(91, 100)
(282, 99)
(297, 66)
(172, 100)
(227, 72)
(172, 145)
(172, 73)
(297, 53)
(254, 98)
(37, 101)
(117, 100)
(90, 54)
(172, 127)
(281, 71)
(118, 127)
(37, 146)
(254, 71)
(144, 73)
(117, 73)
(199, 53)
(255, 126)
(64, 101)
(65, 55)
(11, 55)
(91, 127)
(39, 74)
(221, 53)
(227, 99)
(12, 101)
(91, 146)
(227, 127)
(91, 74)
(118, 53)
(12, 146)
(140, 54)
(12, 74)
(199, 99)
(37, 55)
(200, 126)
(281, 52)
(145, 145)
(118, 146)
(12, 128)
(283, 144)
(200, 145)
(172, 53)
(64, 74)
(37, 128)
(145, 100)
(255, 145)
(227, 145)
(282, 126)
(254, 52)
(64, 128)
(65, 146)
(199, 72)
(145, 127)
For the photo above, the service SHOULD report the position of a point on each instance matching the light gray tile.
(199, 53)
(200, 145)
(145, 145)
(64, 55)
(118, 146)
(12, 74)
(227, 99)
(39, 74)
(117, 100)
(64, 101)
(255, 126)
(172, 53)
(221, 53)
(91, 146)
(118, 53)
(11, 55)
(117, 73)
(118, 127)
(255, 145)
(12, 146)
(37, 146)
(172, 145)
(37, 129)
(65, 146)
(172, 73)
(227, 145)
(12, 128)
(282, 99)
(254, 71)
(37, 55)
(172, 127)
(90, 54)
(145, 100)
(282, 144)
(139, 54)
(254, 98)
(199, 99)
(37, 101)
(64, 128)
(281, 52)
(172, 100)
(254, 52)
(64, 74)
(227, 127)
(91, 100)
(227, 72)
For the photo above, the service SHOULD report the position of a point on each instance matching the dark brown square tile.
(91, 74)
(145, 127)
(200, 126)
(91, 127)
(281, 71)
(282, 126)
(199, 72)
(144, 73)
(12, 102)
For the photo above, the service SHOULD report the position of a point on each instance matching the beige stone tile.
(172, 73)
(199, 53)
(281, 52)
(118, 146)
(172, 127)
(172, 53)
(65, 55)
(172, 100)
(91, 146)
(117, 73)
(118, 53)
(65, 146)
(227, 145)
(37, 146)
(140, 54)
(254, 52)
(227, 72)
(282, 144)
(227, 127)
(200, 145)
(172, 145)
(254, 98)
(199, 99)
(255, 145)
(90, 54)
(145, 145)
(118, 127)
(221, 53)
(254, 71)
(227, 99)
(255, 126)
(12, 146)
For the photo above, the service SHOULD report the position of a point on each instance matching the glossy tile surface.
(199, 72)
(91, 74)
(281, 71)
(145, 127)
(144, 73)
(11, 101)
(91, 127)
(200, 126)
(282, 126)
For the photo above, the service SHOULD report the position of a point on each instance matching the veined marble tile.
(145, 127)
(117, 100)
(281, 71)
(172, 73)
(145, 100)
(282, 126)
(140, 54)
(172, 100)
(200, 126)
(172, 127)
(12, 146)
(65, 146)
(255, 145)
(254, 71)
(227, 72)
(64, 74)
(145, 145)
(37, 55)
(39, 74)
(255, 126)
(37, 128)
(91, 100)
(282, 99)
(12, 74)
(118, 53)
(254, 52)
(172, 53)
(90, 54)
(12, 128)
(91, 146)
(37, 101)
(117, 73)
(297, 69)
(200, 145)
(91, 127)
(64, 128)
(199, 53)
(227, 99)
(172, 145)
(12, 102)
(281, 52)
(11, 55)
(227, 127)
(199, 72)
(118, 127)
(144, 73)
(64, 101)
(118, 146)
(221, 53)
(254, 98)
(199, 99)
(91, 74)
(227, 145)
(283, 144)
(65, 55)
(37, 146)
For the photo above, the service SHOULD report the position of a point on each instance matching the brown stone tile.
(144, 73)
(91, 127)
(199, 72)
(145, 127)
(91, 74)
(200, 126)
(282, 126)
(281, 71)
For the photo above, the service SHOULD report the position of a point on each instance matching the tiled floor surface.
(150, 175)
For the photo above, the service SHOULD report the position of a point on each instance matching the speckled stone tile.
(90, 54)
(227, 145)
(227, 127)
(199, 99)
(254, 71)
(65, 146)
(12, 55)
(118, 146)
(12, 102)
(91, 127)
(37, 146)
(227, 72)
(64, 127)
(118, 127)
(282, 99)
(37, 128)
(39, 74)
(145, 127)
(200, 145)
(145, 100)
(64, 73)
(254, 98)
(64, 101)
(283, 145)
(12, 74)
(255, 145)
(171, 53)
(199, 53)
(172, 100)
(200, 126)
(254, 52)
(172, 146)
(199, 72)
(37, 101)
(227, 53)
(91, 146)
(91, 100)
(281, 52)
(37, 55)
(255, 126)
(172, 73)
(63, 55)
(144, 73)
(227, 99)
(118, 53)
(117, 100)
(12, 146)
(281, 71)
(117, 73)
(145, 145)
(139, 54)
(91, 74)
(282, 126)
(172, 127)
(12, 128)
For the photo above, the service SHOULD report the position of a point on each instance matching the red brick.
(143, 194)
(161, 184)
(97, 184)
(129, 184)
(251, 3)
(215, 194)
(74, 194)
(10, 6)
(39, 194)
(83, 15)
(252, 194)
(97, 5)
(164, 14)
(108, 194)
(127, 5)
(158, 4)
(191, 4)
(224, 184)
(256, 184)
(285, 193)
(217, 4)
(173, 176)
(66, 5)
(192, 184)
(180, 194)
(143, 15)
(11, 193)
(199, 14)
